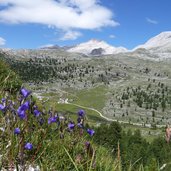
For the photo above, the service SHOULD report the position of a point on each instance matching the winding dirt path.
(111, 120)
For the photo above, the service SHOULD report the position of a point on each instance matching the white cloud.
(2, 41)
(71, 35)
(60, 14)
(112, 36)
(151, 21)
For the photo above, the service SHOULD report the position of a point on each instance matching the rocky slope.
(159, 46)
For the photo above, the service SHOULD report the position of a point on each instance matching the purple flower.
(21, 110)
(17, 131)
(9, 101)
(79, 120)
(11, 106)
(71, 125)
(90, 132)
(52, 119)
(36, 112)
(2, 107)
(24, 106)
(25, 92)
(87, 143)
(22, 114)
(81, 112)
(80, 125)
(28, 146)
(3, 100)
(35, 107)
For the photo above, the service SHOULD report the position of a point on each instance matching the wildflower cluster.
(24, 125)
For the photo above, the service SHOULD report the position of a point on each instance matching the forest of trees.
(134, 149)
(47, 69)
(153, 96)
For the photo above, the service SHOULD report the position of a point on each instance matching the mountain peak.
(94, 44)
(162, 40)
(50, 46)
(165, 33)
(95, 40)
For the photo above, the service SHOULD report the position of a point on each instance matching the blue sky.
(128, 23)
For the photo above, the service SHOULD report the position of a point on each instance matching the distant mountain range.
(92, 47)
(158, 46)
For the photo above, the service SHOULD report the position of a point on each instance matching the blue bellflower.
(17, 131)
(25, 92)
(35, 107)
(25, 106)
(3, 100)
(90, 132)
(28, 146)
(80, 125)
(22, 114)
(52, 119)
(71, 126)
(87, 143)
(22, 109)
(81, 113)
(2, 107)
(36, 113)
(80, 121)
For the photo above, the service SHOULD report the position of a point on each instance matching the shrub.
(9, 81)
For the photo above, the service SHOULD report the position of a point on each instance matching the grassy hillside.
(72, 140)
(9, 80)
(36, 134)
(122, 87)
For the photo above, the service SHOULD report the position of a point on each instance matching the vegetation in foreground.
(34, 136)
(9, 80)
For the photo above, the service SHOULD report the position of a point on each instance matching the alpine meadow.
(85, 85)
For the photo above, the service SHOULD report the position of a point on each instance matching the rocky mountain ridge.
(88, 47)
(157, 48)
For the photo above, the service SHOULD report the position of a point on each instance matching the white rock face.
(158, 46)
(160, 42)
(87, 47)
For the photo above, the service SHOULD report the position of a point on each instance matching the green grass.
(91, 116)
(94, 97)
(71, 110)
(148, 133)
